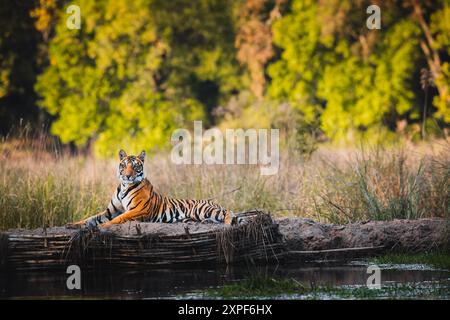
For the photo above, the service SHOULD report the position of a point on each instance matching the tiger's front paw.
(105, 224)
(75, 225)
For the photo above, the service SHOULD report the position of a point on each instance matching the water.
(190, 283)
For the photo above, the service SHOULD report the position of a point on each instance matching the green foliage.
(257, 286)
(20, 62)
(135, 71)
(435, 259)
(354, 79)
(437, 289)
(290, 288)
(440, 26)
(128, 77)
(294, 74)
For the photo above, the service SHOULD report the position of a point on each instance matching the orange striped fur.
(136, 198)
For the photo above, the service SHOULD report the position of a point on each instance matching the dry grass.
(40, 185)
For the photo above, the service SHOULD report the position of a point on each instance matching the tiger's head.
(131, 168)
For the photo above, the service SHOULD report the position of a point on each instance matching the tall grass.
(386, 185)
(42, 185)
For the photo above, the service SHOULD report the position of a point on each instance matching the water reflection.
(167, 283)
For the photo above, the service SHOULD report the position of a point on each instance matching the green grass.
(436, 259)
(436, 290)
(43, 185)
(273, 287)
(258, 286)
(382, 185)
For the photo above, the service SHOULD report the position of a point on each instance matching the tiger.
(136, 199)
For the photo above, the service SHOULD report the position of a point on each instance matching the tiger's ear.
(122, 154)
(142, 156)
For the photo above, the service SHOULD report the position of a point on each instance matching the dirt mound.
(399, 235)
(299, 233)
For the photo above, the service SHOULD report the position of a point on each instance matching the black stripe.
(134, 186)
(131, 199)
(158, 205)
(146, 203)
(108, 214)
(135, 205)
(198, 212)
(177, 214)
(115, 209)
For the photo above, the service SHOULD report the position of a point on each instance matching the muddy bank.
(137, 245)
(142, 245)
(297, 233)
(398, 235)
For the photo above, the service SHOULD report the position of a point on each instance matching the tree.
(254, 38)
(435, 45)
(354, 79)
(202, 61)
(137, 70)
(19, 64)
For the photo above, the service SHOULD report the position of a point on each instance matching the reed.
(43, 185)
